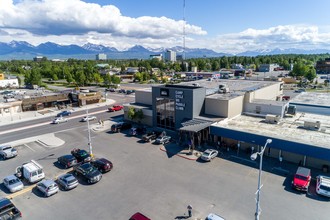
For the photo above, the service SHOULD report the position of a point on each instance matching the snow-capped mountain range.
(24, 50)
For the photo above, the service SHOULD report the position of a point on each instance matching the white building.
(9, 83)
(101, 56)
(170, 56)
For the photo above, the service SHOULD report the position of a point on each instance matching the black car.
(67, 160)
(90, 173)
(120, 126)
(102, 164)
(81, 155)
(64, 113)
(137, 131)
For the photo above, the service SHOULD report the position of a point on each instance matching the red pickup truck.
(115, 108)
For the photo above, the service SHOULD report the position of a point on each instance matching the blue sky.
(224, 26)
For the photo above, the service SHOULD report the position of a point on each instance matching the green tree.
(131, 113)
(310, 74)
(80, 78)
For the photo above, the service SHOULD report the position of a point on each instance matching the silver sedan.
(12, 183)
(209, 154)
(67, 181)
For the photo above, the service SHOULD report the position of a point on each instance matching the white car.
(48, 187)
(209, 154)
(323, 185)
(12, 183)
(59, 120)
(88, 118)
(7, 151)
(213, 216)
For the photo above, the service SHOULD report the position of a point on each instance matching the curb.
(179, 155)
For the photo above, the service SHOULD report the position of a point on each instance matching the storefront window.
(165, 109)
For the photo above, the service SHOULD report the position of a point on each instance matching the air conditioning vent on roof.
(313, 125)
(223, 88)
(273, 119)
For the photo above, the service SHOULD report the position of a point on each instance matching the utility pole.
(89, 137)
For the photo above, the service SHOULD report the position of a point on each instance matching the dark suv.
(8, 210)
(120, 126)
(67, 160)
(88, 172)
(81, 155)
(64, 113)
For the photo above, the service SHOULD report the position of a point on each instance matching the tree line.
(84, 72)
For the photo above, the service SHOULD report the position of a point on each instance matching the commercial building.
(323, 66)
(241, 114)
(170, 56)
(156, 56)
(101, 56)
(267, 67)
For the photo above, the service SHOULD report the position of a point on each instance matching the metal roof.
(195, 125)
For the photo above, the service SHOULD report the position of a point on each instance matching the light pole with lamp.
(254, 157)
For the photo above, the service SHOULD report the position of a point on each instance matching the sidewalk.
(173, 149)
(32, 115)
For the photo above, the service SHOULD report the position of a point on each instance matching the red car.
(302, 179)
(139, 216)
(102, 164)
(115, 108)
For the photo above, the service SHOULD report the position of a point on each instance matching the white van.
(31, 171)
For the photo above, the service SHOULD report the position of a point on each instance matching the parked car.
(150, 136)
(137, 131)
(102, 164)
(115, 108)
(48, 187)
(163, 139)
(67, 181)
(323, 185)
(67, 160)
(120, 126)
(81, 155)
(110, 90)
(8, 210)
(302, 179)
(59, 120)
(64, 113)
(31, 171)
(88, 172)
(213, 216)
(300, 90)
(12, 183)
(209, 154)
(122, 91)
(7, 151)
(139, 216)
(130, 91)
(88, 118)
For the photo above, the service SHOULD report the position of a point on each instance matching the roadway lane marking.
(28, 147)
(45, 123)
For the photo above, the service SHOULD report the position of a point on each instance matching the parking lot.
(161, 185)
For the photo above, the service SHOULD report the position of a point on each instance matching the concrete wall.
(217, 107)
(264, 109)
(143, 97)
(270, 92)
(235, 106)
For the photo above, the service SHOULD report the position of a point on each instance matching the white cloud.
(77, 22)
(63, 17)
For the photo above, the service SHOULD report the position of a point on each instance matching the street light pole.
(89, 136)
(254, 157)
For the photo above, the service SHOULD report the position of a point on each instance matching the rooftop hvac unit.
(273, 119)
(315, 125)
(223, 88)
(291, 110)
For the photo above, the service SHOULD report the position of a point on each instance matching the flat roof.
(312, 98)
(290, 129)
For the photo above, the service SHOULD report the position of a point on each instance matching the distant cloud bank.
(78, 22)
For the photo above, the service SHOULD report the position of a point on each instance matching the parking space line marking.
(29, 147)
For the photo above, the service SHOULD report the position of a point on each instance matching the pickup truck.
(7, 151)
(8, 210)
